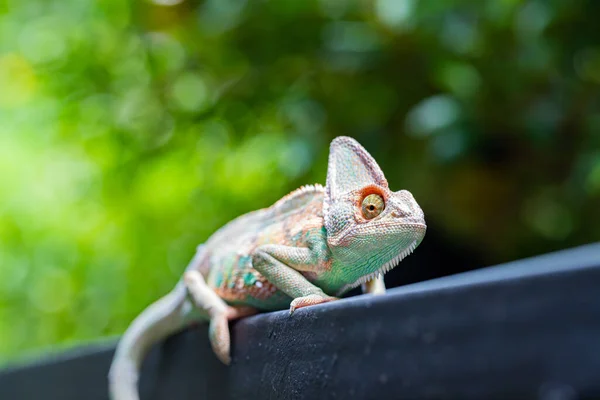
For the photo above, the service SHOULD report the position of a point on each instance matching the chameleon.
(310, 247)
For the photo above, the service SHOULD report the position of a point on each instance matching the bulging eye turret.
(372, 206)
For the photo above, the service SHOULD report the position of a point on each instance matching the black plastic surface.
(528, 329)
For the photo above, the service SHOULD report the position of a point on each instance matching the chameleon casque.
(312, 245)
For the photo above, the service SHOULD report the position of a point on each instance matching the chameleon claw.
(309, 300)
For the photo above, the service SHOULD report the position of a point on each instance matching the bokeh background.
(130, 131)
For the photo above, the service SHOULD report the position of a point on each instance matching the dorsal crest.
(297, 198)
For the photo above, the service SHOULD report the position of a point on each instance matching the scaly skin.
(312, 245)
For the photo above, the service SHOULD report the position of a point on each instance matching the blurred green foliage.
(130, 131)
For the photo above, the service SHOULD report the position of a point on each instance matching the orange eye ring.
(372, 206)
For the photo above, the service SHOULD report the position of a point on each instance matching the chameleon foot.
(309, 300)
(375, 286)
(218, 333)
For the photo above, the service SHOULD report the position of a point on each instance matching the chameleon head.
(370, 229)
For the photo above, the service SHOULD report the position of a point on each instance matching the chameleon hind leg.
(206, 299)
(218, 311)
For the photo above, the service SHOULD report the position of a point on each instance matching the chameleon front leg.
(281, 265)
(374, 286)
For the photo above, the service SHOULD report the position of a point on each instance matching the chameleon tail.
(162, 318)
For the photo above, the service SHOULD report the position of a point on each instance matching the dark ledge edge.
(525, 329)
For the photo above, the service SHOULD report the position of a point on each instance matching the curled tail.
(162, 318)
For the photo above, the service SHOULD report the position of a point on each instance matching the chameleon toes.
(309, 300)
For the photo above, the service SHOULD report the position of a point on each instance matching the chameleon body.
(312, 245)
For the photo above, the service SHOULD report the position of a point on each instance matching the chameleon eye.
(372, 206)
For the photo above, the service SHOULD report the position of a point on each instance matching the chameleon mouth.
(383, 269)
